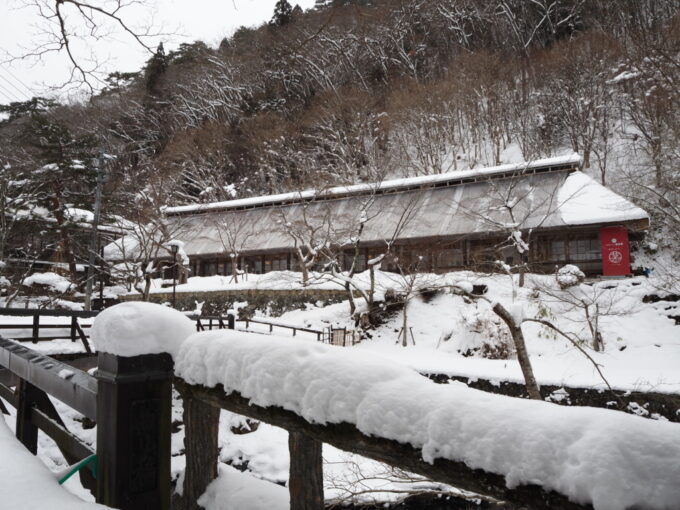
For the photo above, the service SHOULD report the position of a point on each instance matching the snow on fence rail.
(513, 449)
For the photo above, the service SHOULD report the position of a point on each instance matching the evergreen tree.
(155, 69)
(66, 178)
(282, 13)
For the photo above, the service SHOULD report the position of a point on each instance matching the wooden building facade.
(441, 223)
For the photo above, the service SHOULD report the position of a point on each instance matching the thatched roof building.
(446, 221)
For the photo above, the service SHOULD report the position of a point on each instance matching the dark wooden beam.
(78, 390)
(347, 437)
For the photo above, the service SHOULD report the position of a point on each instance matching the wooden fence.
(76, 329)
(130, 400)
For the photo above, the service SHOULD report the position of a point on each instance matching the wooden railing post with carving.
(133, 431)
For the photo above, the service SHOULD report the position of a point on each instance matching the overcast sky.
(187, 20)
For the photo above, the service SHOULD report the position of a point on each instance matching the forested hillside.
(356, 91)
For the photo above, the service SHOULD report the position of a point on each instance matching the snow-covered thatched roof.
(543, 194)
(392, 185)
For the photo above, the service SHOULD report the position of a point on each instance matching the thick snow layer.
(27, 484)
(385, 185)
(233, 489)
(136, 328)
(607, 458)
(55, 281)
(583, 201)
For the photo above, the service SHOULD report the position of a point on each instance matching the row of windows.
(414, 258)
(576, 250)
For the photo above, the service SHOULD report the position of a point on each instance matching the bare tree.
(137, 253)
(67, 25)
(234, 232)
(585, 306)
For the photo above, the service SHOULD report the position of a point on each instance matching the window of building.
(582, 250)
(280, 263)
(209, 267)
(557, 252)
(451, 257)
(360, 263)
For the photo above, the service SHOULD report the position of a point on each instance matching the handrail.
(224, 319)
(74, 387)
(31, 312)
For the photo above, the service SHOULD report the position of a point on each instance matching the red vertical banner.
(615, 253)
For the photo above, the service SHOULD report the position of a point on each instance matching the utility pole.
(99, 167)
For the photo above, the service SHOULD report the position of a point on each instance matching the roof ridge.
(403, 184)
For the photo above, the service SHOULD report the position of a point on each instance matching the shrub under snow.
(569, 275)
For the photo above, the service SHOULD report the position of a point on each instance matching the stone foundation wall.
(274, 302)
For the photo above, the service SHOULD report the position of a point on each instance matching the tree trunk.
(147, 287)
(404, 326)
(522, 353)
(306, 472)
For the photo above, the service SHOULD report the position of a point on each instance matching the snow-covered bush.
(483, 334)
(50, 281)
(569, 276)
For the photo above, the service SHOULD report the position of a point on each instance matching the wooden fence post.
(201, 450)
(231, 320)
(305, 482)
(26, 430)
(134, 401)
(36, 328)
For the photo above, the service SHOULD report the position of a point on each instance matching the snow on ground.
(577, 451)
(28, 484)
(233, 489)
(642, 344)
(642, 352)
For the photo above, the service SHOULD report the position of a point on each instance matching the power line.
(15, 87)
(8, 95)
(18, 80)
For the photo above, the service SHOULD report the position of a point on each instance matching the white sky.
(190, 20)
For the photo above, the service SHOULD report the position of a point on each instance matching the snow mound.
(27, 484)
(234, 489)
(54, 281)
(136, 328)
(607, 458)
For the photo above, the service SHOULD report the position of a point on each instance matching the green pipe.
(91, 461)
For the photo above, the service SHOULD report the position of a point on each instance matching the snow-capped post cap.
(137, 328)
